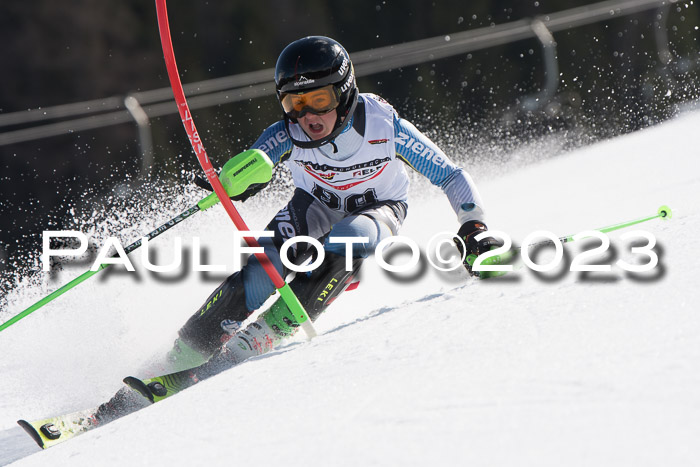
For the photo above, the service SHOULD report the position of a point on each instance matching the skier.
(347, 153)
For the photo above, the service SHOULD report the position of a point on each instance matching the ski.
(161, 387)
(48, 432)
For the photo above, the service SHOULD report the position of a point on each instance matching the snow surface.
(548, 370)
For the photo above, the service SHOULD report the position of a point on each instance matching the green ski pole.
(245, 169)
(664, 212)
(88, 274)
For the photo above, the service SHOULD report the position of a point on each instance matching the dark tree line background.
(612, 81)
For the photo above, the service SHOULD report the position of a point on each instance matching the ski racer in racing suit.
(347, 153)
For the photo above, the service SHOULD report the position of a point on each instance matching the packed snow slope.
(551, 369)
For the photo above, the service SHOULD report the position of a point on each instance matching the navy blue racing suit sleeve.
(424, 156)
(275, 142)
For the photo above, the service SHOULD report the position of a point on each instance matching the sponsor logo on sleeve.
(274, 141)
(421, 150)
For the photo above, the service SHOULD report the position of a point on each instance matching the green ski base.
(48, 432)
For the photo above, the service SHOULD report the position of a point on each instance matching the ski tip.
(31, 431)
(665, 212)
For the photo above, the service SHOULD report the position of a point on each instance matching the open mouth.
(316, 128)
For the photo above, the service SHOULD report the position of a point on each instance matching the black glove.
(474, 248)
(252, 189)
(202, 183)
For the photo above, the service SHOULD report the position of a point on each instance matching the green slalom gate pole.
(245, 169)
(287, 294)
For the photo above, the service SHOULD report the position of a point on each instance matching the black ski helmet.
(313, 62)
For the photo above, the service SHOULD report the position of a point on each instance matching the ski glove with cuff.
(250, 191)
(467, 233)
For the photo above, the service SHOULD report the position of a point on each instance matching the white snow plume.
(561, 369)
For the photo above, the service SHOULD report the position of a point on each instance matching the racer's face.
(318, 126)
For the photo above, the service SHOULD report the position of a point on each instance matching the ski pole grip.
(239, 173)
(208, 202)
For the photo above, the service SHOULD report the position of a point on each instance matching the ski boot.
(315, 290)
(209, 328)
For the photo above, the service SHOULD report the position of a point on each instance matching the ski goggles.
(319, 101)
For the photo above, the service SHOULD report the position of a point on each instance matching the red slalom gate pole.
(169, 54)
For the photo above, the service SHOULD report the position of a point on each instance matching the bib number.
(350, 204)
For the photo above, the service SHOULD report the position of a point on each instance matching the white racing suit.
(354, 186)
